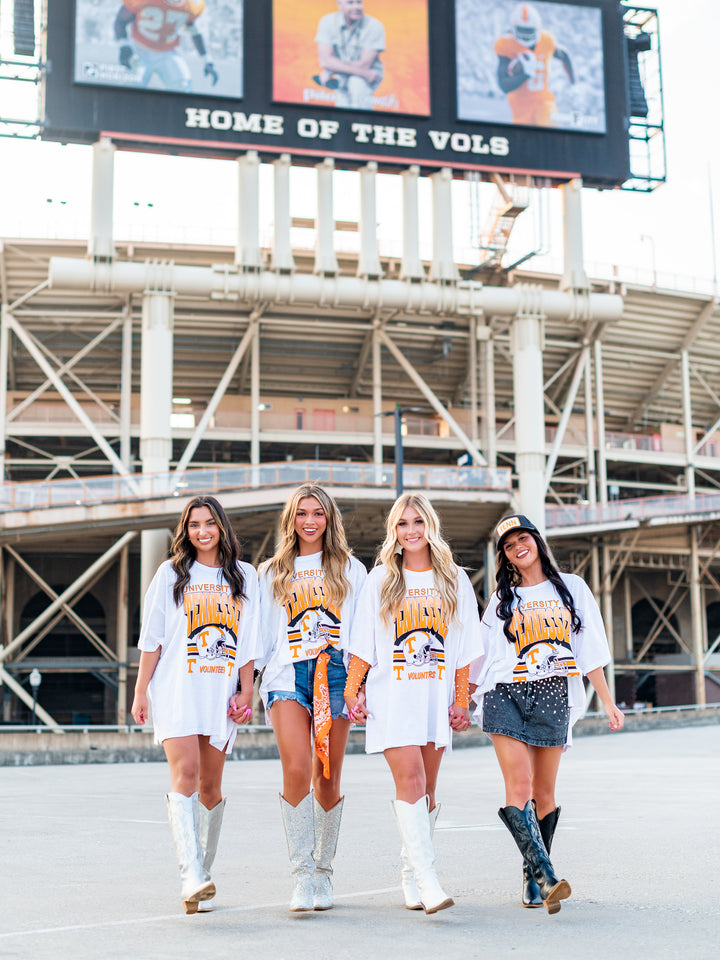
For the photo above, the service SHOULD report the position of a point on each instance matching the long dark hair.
(508, 579)
(183, 554)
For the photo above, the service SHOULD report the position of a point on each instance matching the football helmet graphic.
(419, 649)
(526, 24)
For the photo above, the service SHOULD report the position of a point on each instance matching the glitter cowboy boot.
(327, 829)
(300, 833)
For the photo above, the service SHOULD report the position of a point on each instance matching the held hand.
(357, 708)
(614, 715)
(239, 709)
(459, 717)
(139, 709)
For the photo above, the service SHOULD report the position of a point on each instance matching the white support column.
(411, 267)
(443, 262)
(255, 395)
(368, 260)
(688, 426)
(100, 244)
(325, 259)
(574, 276)
(473, 370)
(248, 254)
(4, 356)
(282, 258)
(489, 429)
(126, 388)
(377, 400)
(122, 621)
(527, 339)
(590, 433)
(607, 612)
(156, 377)
(600, 417)
(627, 594)
(697, 614)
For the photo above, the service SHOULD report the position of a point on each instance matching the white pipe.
(247, 250)
(443, 261)
(101, 209)
(411, 267)
(574, 276)
(222, 281)
(325, 259)
(529, 408)
(369, 260)
(282, 258)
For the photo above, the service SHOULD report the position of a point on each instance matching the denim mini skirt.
(305, 678)
(535, 712)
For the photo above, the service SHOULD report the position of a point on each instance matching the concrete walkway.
(88, 869)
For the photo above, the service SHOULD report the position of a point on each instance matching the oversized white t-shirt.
(413, 658)
(545, 645)
(307, 623)
(205, 640)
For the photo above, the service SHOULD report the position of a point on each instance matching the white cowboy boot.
(414, 825)
(209, 835)
(183, 814)
(410, 890)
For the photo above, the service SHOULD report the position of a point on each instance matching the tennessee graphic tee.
(313, 619)
(544, 644)
(413, 659)
(205, 640)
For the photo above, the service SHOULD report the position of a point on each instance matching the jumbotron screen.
(487, 85)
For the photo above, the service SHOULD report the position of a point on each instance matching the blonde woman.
(308, 593)
(416, 631)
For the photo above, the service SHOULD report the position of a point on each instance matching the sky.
(664, 237)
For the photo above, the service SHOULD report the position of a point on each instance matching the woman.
(416, 632)
(199, 639)
(542, 632)
(308, 592)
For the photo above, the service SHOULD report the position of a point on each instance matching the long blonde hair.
(444, 569)
(336, 552)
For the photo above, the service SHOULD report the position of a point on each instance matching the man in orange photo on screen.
(525, 56)
(349, 44)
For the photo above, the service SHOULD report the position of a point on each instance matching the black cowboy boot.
(530, 892)
(525, 830)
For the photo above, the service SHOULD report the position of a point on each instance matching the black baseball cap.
(516, 521)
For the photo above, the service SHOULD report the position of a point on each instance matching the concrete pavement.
(88, 869)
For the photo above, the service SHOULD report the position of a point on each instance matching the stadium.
(136, 373)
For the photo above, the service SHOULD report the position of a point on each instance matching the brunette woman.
(542, 631)
(416, 632)
(309, 590)
(199, 639)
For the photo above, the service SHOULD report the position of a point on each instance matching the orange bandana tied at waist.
(322, 714)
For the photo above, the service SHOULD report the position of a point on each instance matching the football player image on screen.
(148, 33)
(525, 56)
(349, 44)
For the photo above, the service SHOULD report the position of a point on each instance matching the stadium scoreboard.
(487, 85)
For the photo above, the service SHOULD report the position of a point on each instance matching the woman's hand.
(357, 708)
(614, 715)
(139, 709)
(459, 717)
(240, 708)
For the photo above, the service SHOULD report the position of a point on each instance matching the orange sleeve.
(356, 673)
(462, 686)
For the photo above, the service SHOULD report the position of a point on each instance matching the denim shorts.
(304, 678)
(535, 712)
